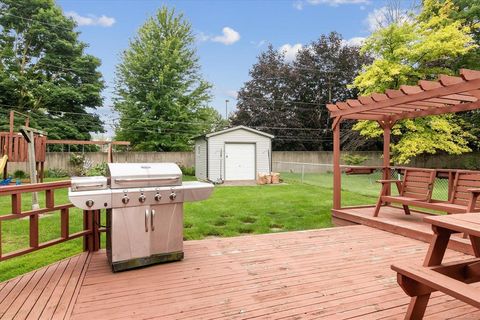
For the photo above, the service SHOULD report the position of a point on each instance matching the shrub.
(354, 159)
(99, 169)
(20, 174)
(56, 173)
(77, 162)
(187, 171)
(471, 163)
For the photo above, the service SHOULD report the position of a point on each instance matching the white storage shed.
(237, 153)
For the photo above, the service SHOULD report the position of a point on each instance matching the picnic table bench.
(416, 190)
(453, 278)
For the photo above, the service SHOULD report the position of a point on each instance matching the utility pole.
(226, 108)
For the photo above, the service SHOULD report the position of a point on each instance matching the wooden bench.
(453, 278)
(416, 190)
(416, 186)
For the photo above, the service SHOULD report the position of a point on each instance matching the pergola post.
(337, 176)
(387, 132)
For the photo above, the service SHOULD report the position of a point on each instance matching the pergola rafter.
(446, 95)
(449, 94)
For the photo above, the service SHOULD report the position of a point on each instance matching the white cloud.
(290, 51)
(376, 19)
(258, 44)
(232, 94)
(382, 17)
(202, 37)
(91, 20)
(228, 37)
(355, 41)
(299, 4)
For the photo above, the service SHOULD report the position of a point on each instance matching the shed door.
(239, 161)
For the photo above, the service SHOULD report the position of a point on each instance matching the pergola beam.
(438, 111)
(435, 94)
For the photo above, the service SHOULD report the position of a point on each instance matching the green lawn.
(230, 211)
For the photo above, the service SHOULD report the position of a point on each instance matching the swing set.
(17, 146)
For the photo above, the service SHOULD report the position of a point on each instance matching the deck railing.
(91, 219)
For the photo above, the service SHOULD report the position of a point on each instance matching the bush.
(187, 171)
(99, 169)
(354, 159)
(77, 161)
(471, 163)
(56, 173)
(20, 174)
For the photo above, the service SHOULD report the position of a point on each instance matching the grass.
(230, 211)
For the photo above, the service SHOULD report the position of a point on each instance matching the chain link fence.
(321, 174)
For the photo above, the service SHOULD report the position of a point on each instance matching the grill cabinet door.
(167, 233)
(130, 238)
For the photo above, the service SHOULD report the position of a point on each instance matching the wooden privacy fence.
(91, 219)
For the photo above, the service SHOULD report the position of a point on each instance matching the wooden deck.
(337, 273)
(394, 219)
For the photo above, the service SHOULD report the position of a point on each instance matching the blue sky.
(230, 34)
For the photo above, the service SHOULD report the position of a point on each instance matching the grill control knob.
(125, 199)
(158, 197)
(142, 198)
(89, 203)
(173, 195)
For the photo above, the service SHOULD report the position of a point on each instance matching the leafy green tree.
(162, 96)
(287, 99)
(468, 12)
(431, 43)
(45, 72)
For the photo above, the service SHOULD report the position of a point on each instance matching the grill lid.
(140, 175)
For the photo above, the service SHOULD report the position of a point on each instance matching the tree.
(288, 99)
(431, 43)
(45, 72)
(468, 13)
(162, 96)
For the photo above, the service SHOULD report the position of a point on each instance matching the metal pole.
(226, 108)
(32, 168)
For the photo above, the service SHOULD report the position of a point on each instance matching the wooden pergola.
(448, 94)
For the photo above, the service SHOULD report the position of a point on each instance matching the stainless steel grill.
(144, 203)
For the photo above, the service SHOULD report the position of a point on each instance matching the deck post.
(337, 182)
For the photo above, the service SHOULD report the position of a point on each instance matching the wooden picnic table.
(453, 278)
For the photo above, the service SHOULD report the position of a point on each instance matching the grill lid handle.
(127, 180)
(84, 186)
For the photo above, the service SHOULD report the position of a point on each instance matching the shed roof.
(448, 94)
(216, 133)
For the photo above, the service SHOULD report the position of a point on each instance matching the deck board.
(337, 273)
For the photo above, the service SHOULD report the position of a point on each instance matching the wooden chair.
(416, 186)
(465, 193)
